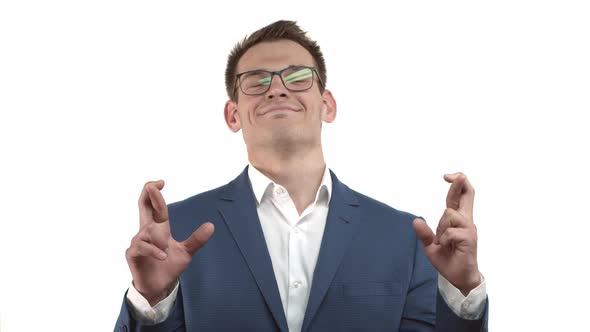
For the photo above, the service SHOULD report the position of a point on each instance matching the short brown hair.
(275, 31)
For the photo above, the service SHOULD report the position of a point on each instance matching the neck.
(300, 172)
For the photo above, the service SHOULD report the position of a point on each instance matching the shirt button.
(296, 230)
(296, 284)
(280, 191)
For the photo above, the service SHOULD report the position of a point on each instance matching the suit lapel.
(341, 225)
(238, 209)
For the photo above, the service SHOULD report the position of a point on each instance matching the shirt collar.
(261, 182)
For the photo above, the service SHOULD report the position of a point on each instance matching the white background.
(98, 97)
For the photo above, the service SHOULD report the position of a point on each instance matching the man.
(288, 246)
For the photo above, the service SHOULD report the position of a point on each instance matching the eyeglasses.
(294, 78)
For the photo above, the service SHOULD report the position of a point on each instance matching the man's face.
(279, 116)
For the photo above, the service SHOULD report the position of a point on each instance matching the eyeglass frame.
(272, 76)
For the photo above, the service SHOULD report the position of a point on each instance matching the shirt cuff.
(469, 307)
(144, 313)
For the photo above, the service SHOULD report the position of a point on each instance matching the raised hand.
(155, 259)
(453, 249)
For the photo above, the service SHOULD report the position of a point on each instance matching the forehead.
(275, 55)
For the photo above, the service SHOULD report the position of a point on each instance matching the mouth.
(279, 109)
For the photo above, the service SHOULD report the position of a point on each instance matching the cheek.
(315, 108)
(247, 113)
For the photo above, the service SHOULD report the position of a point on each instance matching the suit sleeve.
(425, 310)
(174, 322)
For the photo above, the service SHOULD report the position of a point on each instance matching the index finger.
(461, 194)
(152, 207)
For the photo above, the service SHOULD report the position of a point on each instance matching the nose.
(277, 88)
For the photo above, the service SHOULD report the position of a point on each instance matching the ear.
(329, 107)
(232, 119)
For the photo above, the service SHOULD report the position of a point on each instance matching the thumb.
(424, 232)
(198, 238)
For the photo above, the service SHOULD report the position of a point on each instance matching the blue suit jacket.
(371, 274)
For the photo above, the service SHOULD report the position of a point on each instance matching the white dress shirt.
(293, 242)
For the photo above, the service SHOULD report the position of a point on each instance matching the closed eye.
(299, 75)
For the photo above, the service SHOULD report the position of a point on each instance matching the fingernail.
(162, 255)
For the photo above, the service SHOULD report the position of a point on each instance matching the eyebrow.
(289, 66)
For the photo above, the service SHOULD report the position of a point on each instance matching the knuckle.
(147, 186)
(149, 228)
(138, 237)
(143, 232)
(132, 252)
(472, 242)
(474, 232)
(451, 232)
(154, 250)
(196, 238)
(439, 227)
(448, 212)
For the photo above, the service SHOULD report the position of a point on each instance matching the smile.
(279, 109)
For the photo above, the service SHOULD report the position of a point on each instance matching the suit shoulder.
(382, 223)
(378, 208)
(188, 214)
(200, 199)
